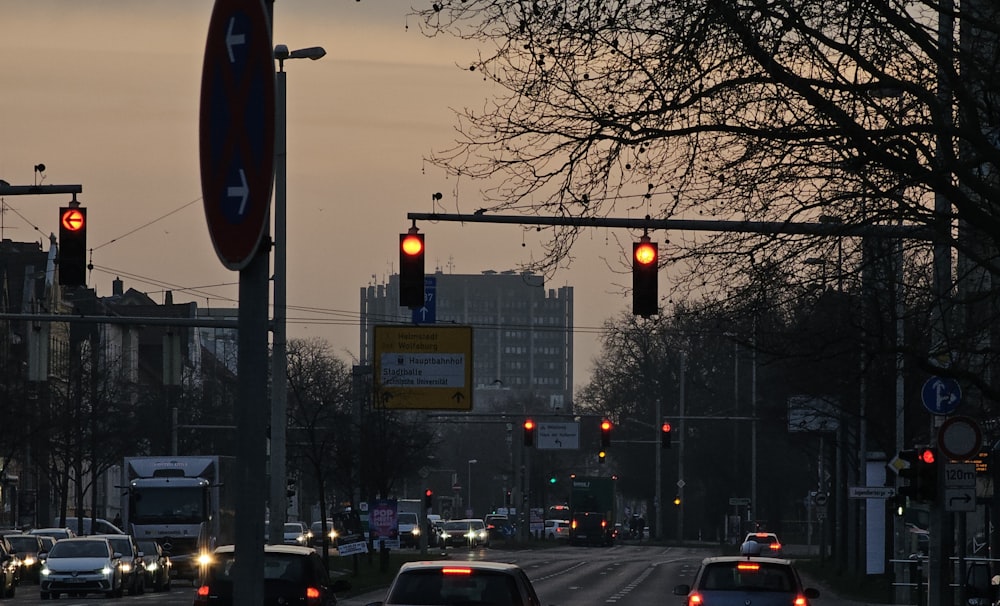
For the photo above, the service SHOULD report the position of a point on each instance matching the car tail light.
(695, 600)
(801, 601)
(775, 546)
(753, 566)
(455, 570)
(201, 597)
(312, 596)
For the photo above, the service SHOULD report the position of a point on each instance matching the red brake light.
(775, 546)
(312, 593)
(761, 534)
(800, 601)
(753, 566)
(456, 571)
(695, 600)
(203, 591)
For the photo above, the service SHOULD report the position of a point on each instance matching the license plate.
(72, 580)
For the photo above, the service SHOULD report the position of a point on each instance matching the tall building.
(522, 333)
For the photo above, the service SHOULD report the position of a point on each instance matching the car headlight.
(29, 561)
(45, 572)
(151, 566)
(301, 538)
(416, 532)
(107, 570)
(126, 567)
(204, 559)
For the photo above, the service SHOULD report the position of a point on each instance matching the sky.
(106, 94)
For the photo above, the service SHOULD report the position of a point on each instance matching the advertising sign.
(382, 523)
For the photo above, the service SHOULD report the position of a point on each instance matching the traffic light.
(290, 488)
(601, 456)
(529, 432)
(927, 470)
(677, 500)
(908, 473)
(605, 434)
(428, 499)
(665, 435)
(411, 269)
(72, 245)
(644, 284)
(552, 480)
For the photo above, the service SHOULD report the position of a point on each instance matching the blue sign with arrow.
(427, 314)
(941, 395)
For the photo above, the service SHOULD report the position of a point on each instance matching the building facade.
(522, 332)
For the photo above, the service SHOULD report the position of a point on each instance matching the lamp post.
(279, 363)
(471, 463)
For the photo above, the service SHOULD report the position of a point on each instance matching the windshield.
(147, 547)
(122, 546)
(407, 518)
(79, 549)
(293, 528)
(23, 543)
(168, 505)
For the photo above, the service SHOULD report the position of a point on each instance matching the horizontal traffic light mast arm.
(129, 320)
(912, 232)
(6, 189)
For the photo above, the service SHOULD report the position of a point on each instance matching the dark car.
(292, 575)
(15, 562)
(741, 580)
(590, 528)
(133, 572)
(499, 526)
(156, 563)
(479, 583)
(8, 573)
(27, 547)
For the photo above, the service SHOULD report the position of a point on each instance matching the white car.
(557, 530)
(296, 533)
(764, 544)
(81, 565)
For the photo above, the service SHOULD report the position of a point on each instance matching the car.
(295, 533)
(80, 565)
(409, 529)
(499, 526)
(9, 570)
(90, 526)
(156, 564)
(589, 528)
(556, 530)
(292, 575)
(27, 547)
(464, 533)
(767, 540)
(762, 581)
(442, 582)
(55, 533)
(133, 573)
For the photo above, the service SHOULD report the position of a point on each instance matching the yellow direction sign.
(425, 367)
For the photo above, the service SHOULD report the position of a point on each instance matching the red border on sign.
(959, 420)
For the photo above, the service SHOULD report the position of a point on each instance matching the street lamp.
(279, 363)
(471, 463)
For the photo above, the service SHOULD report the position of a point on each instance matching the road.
(623, 575)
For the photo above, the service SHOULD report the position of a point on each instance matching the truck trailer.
(183, 503)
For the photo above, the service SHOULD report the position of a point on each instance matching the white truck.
(181, 502)
(410, 521)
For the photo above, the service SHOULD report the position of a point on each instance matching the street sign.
(236, 128)
(427, 314)
(739, 501)
(870, 492)
(425, 367)
(558, 436)
(960, 499)
(960, 438)
(941, 395)
(959, 475)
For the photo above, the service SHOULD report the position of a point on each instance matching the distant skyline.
(106, 94)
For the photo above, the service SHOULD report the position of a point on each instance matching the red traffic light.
(645, 252)
(428, 493)
(529, 424)
(665, 428)
(412, 244)
(73, 219)
(605, 425)
(645, 267)
(927, 456)
(529, 432)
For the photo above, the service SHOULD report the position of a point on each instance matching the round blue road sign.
(237, 128)
(941, 395)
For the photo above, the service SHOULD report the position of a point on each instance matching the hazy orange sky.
(106, 94)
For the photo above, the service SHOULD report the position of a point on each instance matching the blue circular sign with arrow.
(941, 395)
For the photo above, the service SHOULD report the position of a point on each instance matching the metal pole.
(279, 379)
(680, 453)
(658, 497)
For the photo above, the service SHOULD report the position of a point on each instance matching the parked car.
(556, 530)
(8, 573)
(133, 573)
(441, 582)
(761, 581)
(55, 533)
(295, 533)
(80, 565)
(292, 575)
(27, 547)
(156, 564)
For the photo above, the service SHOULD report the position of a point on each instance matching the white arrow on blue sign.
(427, 314)
(941, 395)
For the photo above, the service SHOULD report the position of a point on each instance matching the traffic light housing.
(428, 499)
(605, 434)
(920, 473)
(411, 269)
(665, 436)
(529, 432)
(72, 246)
(645, 267)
